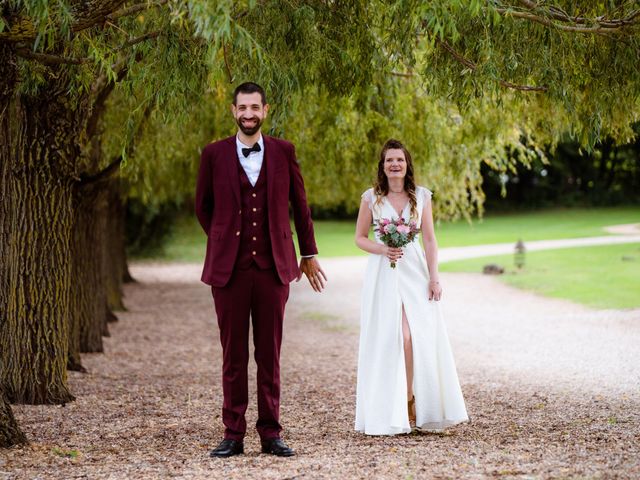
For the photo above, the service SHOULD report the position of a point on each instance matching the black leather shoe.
(275, 446)
(228, 448)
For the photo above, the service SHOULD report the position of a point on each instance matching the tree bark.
(34, 337)
(8, 80)
(86, 14)
(114, 254)
(10, 433)
(90, 312)
(90, 294)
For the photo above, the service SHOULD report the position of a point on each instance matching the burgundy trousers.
(259, 295)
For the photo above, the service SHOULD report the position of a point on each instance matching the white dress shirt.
(253, 163)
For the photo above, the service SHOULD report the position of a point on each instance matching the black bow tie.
(247, 151)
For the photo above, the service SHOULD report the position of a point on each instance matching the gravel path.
(477, 251)
(552, 388)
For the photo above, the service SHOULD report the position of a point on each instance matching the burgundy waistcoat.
(255, 243)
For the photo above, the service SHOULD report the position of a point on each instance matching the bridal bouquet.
(396, 233)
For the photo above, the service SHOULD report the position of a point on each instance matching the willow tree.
(70, 56)
(69, 63)
(479, 80)
(577, 59)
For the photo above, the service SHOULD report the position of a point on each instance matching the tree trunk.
(90, 294)
(10, 433)
(122, 245)
(114, 254)
(7, 85)
(34, 337)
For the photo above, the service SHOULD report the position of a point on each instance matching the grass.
(601, 277)
(335, 238)
(186, 243)
(541, 225)
(594, 276)
(329, 322)
(65, 453)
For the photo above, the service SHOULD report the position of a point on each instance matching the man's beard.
(249, 130)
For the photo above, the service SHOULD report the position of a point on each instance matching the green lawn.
(335, 238)
(602, 277)
(541, 225)
(187, 242)
(595, 276)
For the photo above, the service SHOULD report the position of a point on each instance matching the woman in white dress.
(406, 372)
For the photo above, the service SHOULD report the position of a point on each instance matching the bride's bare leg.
(408, 362)
(408, 353)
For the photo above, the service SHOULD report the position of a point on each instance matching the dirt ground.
(552, 389)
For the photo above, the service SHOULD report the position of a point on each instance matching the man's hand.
(311, 268)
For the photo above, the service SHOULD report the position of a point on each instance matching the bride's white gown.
(381, 400)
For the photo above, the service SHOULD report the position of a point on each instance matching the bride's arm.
(430, 243)
(362, 231)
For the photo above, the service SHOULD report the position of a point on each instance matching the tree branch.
(226, 61)
(402, 74)
(558, 14)
(600, 26)
(244, 13)
(522, 88)
(473, 67)
(141, 38)
(102, 90)
(104, 174)
(22, 29)
(49, 59)
(125, 12)
(130, 149)
(114, 166)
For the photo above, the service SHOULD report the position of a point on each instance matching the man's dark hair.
(249, 87)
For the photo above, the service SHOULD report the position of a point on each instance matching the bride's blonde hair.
(381, 188)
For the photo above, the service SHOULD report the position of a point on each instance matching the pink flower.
(404, 229)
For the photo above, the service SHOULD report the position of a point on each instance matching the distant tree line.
(572, 175)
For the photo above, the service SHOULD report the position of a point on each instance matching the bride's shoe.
(411, 406)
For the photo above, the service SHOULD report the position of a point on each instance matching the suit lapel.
(231, 160)
(270, 167)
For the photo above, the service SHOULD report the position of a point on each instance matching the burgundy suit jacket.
(218, 208)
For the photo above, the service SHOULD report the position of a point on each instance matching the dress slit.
(413, 353)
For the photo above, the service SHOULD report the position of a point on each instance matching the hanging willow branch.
(226, 62)
(125, 12)
(49, 59)
(114, 166)
(473, 67)
(23, 29)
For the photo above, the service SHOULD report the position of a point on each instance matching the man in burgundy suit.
(244, 188)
